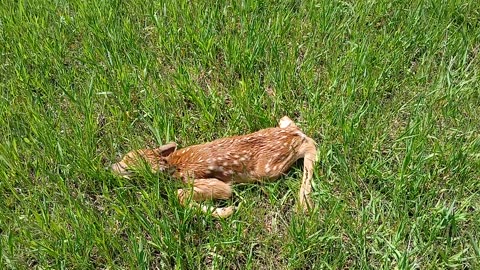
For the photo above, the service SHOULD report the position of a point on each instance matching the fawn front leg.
(207, 189)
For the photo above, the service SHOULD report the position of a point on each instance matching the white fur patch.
(285, 122)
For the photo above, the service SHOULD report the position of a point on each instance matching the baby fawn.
(212, 167)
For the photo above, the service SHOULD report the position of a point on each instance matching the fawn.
(214, 166)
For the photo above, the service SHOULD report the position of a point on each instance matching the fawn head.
(155, 158)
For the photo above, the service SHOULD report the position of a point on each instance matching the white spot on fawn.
(211, 167)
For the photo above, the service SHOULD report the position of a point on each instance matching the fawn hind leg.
(308, 151)
(207, 189)
(309, 158)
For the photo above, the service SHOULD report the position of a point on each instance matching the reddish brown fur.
(212, 167)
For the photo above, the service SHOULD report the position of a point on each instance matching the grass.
(388, 89)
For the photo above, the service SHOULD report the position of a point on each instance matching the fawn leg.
(309, 159)
(207, 189)
(309, 153)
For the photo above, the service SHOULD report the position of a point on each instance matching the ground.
(390, 90)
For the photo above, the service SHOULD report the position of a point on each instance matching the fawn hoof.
(120, 170)
(224, 212)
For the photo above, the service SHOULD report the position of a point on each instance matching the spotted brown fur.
(212, 167)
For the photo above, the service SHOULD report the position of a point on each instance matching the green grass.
(390, 90)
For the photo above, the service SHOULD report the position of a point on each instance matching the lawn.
(390, 91)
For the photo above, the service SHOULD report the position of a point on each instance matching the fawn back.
(263, 155)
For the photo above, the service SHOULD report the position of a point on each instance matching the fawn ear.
(167, 149)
